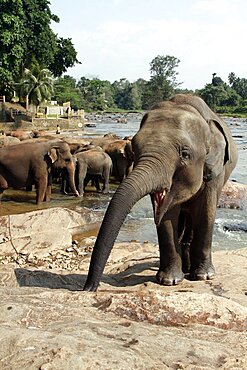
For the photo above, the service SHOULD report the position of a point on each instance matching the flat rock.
(48, 322)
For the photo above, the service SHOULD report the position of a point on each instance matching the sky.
(118, 39)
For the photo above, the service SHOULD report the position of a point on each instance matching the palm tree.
(36, 89)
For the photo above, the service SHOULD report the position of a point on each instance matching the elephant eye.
(185, 154)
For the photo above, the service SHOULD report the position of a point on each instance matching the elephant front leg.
(41, 188)
(170, 271)
(47, 196)
(81, 178)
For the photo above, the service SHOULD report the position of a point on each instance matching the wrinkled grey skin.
(184, 153)
(93, 162)
(27, 164)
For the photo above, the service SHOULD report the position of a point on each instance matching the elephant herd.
(183, 154)
(39, 159)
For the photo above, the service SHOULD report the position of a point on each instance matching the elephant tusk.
(159, 196)
(161, 201)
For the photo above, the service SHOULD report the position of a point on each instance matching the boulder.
(233, 195)
(41, 232)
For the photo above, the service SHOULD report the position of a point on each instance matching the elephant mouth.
(161, 201)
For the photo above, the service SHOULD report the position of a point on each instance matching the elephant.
(92, 164)
(21, 135)
(121, 154)
(104, 140)
(183, 155)
(76, 145)
(27, 164)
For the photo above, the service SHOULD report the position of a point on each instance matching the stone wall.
(45, 123)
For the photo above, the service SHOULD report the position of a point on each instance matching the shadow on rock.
(50, 280)
(132, 275)
(74, 282)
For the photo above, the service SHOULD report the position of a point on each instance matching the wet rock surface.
(234, 195)
(48, 322)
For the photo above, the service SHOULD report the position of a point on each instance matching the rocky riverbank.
(47, 322)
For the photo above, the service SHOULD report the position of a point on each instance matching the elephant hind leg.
(3, 186)
(96, 183)
(185, 239)
(82, 171)
(106, 177)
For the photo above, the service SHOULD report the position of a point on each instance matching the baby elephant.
(92, 164)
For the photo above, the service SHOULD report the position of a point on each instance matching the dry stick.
(11, 242)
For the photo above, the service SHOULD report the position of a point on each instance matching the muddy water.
(139, 223)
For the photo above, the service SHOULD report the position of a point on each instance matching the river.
(139, 223)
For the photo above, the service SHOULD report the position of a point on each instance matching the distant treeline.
(93, 94)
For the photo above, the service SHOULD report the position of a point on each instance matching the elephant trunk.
(139, 183)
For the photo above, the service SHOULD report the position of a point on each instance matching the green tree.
(127, 95)
(217, 81)
(65, 89)
(135, 97)
(11, 43)
(64, 56)
(27, 41)
(36, 89)
(163, 79)
(219, 94)
(238, 84)
(97, 94)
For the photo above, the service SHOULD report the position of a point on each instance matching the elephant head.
(61, 157)
(175, 149)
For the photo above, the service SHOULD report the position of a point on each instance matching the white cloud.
(207, 39)
(218, 7)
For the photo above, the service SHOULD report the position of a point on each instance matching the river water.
(139, 223)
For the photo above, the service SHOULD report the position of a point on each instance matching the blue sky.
(119, 38)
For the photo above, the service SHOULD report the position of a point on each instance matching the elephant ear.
(218, 152)
(52, 154)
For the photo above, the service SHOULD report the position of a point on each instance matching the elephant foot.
(202, 273)
(170, 277)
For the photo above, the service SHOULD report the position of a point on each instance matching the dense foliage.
(36, 89)
(226, 98)
(27, 41)
(99, 95)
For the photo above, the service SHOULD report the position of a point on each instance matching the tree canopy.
(36, 88)
(27, 41)
(163, 77)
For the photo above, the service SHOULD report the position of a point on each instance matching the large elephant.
(184, 153)
(93, 162)
(27, 164)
